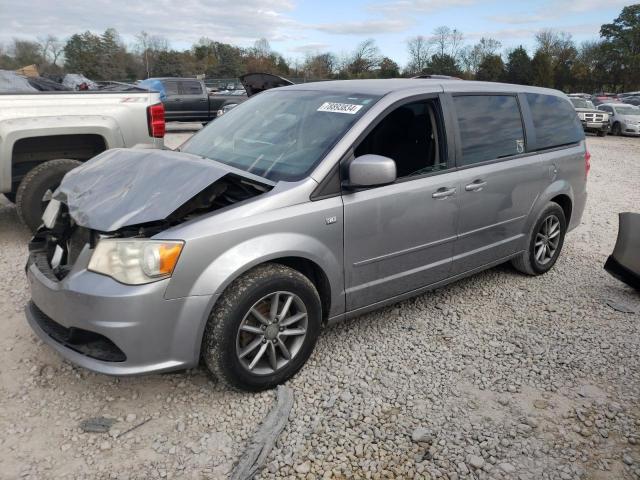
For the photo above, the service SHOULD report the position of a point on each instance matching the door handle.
(443, 193)
(476, 186)
(203, 99)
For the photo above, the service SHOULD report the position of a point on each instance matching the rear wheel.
(545, 242)
(36, 188)
(263, 328)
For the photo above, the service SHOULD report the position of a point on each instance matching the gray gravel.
(497, 376)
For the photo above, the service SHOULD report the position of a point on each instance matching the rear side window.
(191, 88)
(490, 127)
(555, 121)
(171, 87)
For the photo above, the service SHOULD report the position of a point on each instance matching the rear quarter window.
(554, 120)
(490, 127)
(191, 88)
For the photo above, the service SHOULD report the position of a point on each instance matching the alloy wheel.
(547, 240)
(271, 333)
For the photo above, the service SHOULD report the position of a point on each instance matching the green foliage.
(518, 68)
(491, 69)
(443, 64)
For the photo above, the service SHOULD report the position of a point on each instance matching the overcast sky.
(295, 27)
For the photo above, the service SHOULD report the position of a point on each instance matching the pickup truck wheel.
(602, 133)
(545, 242)
(263, 328)
(35, 189)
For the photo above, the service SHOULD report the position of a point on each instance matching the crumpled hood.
(123, 187)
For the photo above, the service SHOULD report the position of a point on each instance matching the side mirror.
(370, 171)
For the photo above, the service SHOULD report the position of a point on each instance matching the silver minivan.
(303, 206)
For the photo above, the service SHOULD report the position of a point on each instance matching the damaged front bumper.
(112, 328)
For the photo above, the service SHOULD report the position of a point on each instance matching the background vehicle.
(592, 120)
(188, 100)
(624, 118)
(600, 99)
(43, 135)
(304, 205)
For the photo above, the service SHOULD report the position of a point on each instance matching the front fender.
(233, 262)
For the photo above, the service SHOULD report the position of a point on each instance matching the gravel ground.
(497, 376)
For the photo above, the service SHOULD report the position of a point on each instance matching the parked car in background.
(592, 120)
(303, 206)
(43, 135)
(633, 100)
(600, 99)
(184, 99)
(188, 100)
(624, 118)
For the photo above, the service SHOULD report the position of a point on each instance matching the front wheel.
(545, 242)
(616, 130)
(263, 328)
(602, 133)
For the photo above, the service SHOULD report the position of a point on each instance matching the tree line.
(610, 63)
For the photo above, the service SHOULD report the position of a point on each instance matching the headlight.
(581, 115)
(134, 261)
(226, 108)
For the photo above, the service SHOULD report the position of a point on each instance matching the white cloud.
(185, 21)
(365, 27)
(556, 9)
(310, 48)
(404, 7)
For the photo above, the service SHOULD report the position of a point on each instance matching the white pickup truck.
(43, 135)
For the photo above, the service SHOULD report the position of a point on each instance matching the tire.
(616, 130)
(35, 184)
(602, 133)
(527, 262)
(224, 342)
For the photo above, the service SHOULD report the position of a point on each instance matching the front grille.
(55, 252)
(87, 343)
(594, 117)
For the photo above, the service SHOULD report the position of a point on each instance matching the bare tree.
(440, 39)
(472, 57)
(365, 58)
(51, 48)
(419, 49)
(262, 48)
(148, 47)
(447, 41)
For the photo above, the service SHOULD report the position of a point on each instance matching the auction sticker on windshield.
(333, 107)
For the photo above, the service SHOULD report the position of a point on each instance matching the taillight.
(155, 120)
(587, 162)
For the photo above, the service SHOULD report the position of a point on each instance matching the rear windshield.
(555, 121)
(280, 134)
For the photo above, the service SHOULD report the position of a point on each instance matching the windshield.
(582, 103)
(280, 134)
(627, 110)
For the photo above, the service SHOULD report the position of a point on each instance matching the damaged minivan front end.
(97, 267)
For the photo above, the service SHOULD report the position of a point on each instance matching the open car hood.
(259, 82)
(124, 187)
